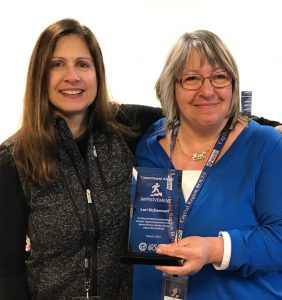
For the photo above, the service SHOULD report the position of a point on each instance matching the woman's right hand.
(196, 251)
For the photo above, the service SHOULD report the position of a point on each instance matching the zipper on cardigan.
(94, 151)
(88, 195)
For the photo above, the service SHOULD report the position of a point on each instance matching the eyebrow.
(192, 71)
(77, 58)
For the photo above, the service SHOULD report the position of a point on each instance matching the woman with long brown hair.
(66, 174)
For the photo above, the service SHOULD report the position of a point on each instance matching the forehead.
(194, 61)
(197, 60)
(71, 44)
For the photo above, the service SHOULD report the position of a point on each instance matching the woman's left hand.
(195, 250)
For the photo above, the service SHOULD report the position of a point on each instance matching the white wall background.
(135, 36)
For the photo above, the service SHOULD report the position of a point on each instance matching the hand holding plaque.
(154, 215)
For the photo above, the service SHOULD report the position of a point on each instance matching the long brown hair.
(35, 144)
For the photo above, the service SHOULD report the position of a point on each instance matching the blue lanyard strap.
(204, 174)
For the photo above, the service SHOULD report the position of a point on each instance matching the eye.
(57, 64)
(191, 78)
(83, 64)
(220, 77)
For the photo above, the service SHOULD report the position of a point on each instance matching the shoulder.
(5, 155)
(156, 130)
(149, 152)
(8, 170)
(264, 137)
(10, 184)
(264, 131)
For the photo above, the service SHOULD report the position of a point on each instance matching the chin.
(71, 111)
(210, 123)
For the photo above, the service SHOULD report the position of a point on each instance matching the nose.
(72, 74)
(207, 88)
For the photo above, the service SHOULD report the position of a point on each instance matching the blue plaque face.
(154, 214)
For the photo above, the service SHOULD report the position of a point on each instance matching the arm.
(139, 118)
(259, 248)
(264, 121)
(265, 235)
(255, 249)
(13, 226)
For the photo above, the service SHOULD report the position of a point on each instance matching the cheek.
(183, 96)
(225, 94)
(228, 96)
(93, 84)
(228, 93)
(50, 91)
(52, 83)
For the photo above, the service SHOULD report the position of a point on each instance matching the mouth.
(71, 92)
(207, 105)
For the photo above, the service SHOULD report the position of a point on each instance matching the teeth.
(71, 92)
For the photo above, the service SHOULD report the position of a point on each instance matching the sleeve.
(13, 227)
(259, 248)
(226, 251)
(144, 155)
(149, 152)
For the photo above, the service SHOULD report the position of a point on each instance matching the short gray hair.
(209, 46)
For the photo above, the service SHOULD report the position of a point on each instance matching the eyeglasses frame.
(179, 80)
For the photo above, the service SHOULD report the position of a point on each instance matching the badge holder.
(174, 287)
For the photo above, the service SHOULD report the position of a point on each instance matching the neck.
(200, 135)
(196, 145)
(76, 129)
(76, 123)
(197, 140)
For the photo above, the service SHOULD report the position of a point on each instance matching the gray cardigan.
(55, 215)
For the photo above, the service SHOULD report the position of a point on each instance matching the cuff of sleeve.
(226, 251)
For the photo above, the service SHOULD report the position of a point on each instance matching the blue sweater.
(243, 196)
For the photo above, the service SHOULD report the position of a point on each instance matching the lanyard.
(204, 174)
(85, 230)
(85, 234)
(169, 190)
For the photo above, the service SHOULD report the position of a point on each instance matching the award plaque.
(154, 215)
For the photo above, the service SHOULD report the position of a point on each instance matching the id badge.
(174, 287)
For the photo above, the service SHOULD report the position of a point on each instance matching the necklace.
(196, 156)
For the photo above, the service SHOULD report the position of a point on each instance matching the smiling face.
(207, 106)
(72, 85)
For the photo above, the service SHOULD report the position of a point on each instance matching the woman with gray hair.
(230, 225)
